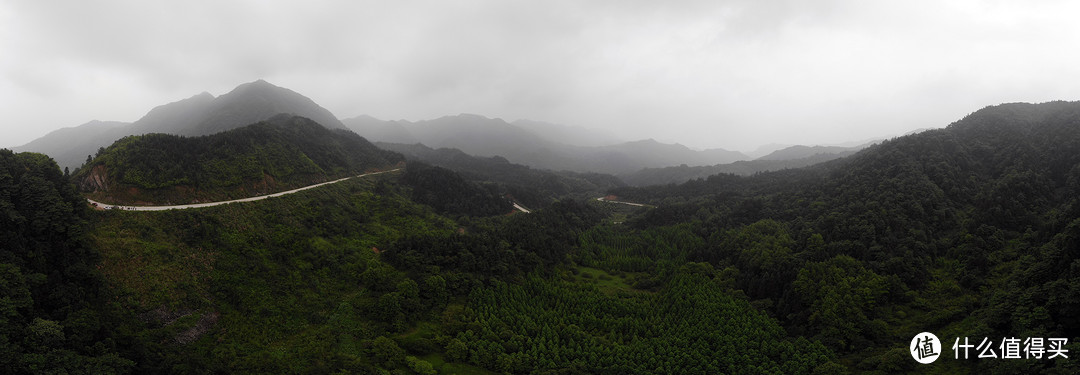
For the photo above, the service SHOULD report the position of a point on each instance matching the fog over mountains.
(528, 142)
(202, 114)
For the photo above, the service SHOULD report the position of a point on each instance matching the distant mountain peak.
(472, 116)
(200, 114)
(104, 123)
(246, 104)
(366, 117)
(259, 84)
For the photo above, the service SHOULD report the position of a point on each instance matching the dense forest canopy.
(940, 230)
(968, 231)
(54, 309)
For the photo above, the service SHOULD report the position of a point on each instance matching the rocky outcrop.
(96, 180)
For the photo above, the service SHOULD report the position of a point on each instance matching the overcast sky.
(731, 74)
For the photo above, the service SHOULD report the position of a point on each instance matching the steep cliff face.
(95, 180)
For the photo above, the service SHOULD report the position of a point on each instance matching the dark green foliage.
(279, 285)
(387, 352)
(269, 156)
(52, 301)
(843, 299)
(534, 188)
(521, 243)
(968, 231)
(452, 195)
(692, 326)
(905, 235)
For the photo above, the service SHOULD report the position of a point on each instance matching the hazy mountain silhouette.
(765, 150)
(536, 146)
(201, 114)
(70, 146)
(571, 135)
(802, 152)
(683, 173)
(384, 131)
(171, 117)
(250, 103)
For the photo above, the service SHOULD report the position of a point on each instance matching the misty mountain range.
(202, 114)
(531, 143)
(481, 136)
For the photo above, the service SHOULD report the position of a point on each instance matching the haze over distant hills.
(571, 135)
(785, 158)
(202, 114)
(530, 143)
(683, 173)
(533, 143)
(801, 152)
(246, 104)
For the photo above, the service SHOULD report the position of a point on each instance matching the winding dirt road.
(211, 204)
(601, 199)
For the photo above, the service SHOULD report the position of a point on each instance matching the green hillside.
(531, 187)
(969, 231)
(55, 311)
(282, 153)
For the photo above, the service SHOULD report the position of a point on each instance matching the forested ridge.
(278, 154)
(532, 187)
(968, 231)
(55, 313)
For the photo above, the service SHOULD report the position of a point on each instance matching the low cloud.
(729, 74)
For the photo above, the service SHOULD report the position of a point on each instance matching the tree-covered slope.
(969, 231)
(355, 277)
(452, 195)
(532, 187)
(284, 152)
(965, 231)
(54, 313)
(283, 285)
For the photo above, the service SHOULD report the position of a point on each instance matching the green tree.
(843, 299)
(419, 366)
(387, 352)
(456, 350)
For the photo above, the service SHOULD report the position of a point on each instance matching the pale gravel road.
(621, 202)
(211, 204)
